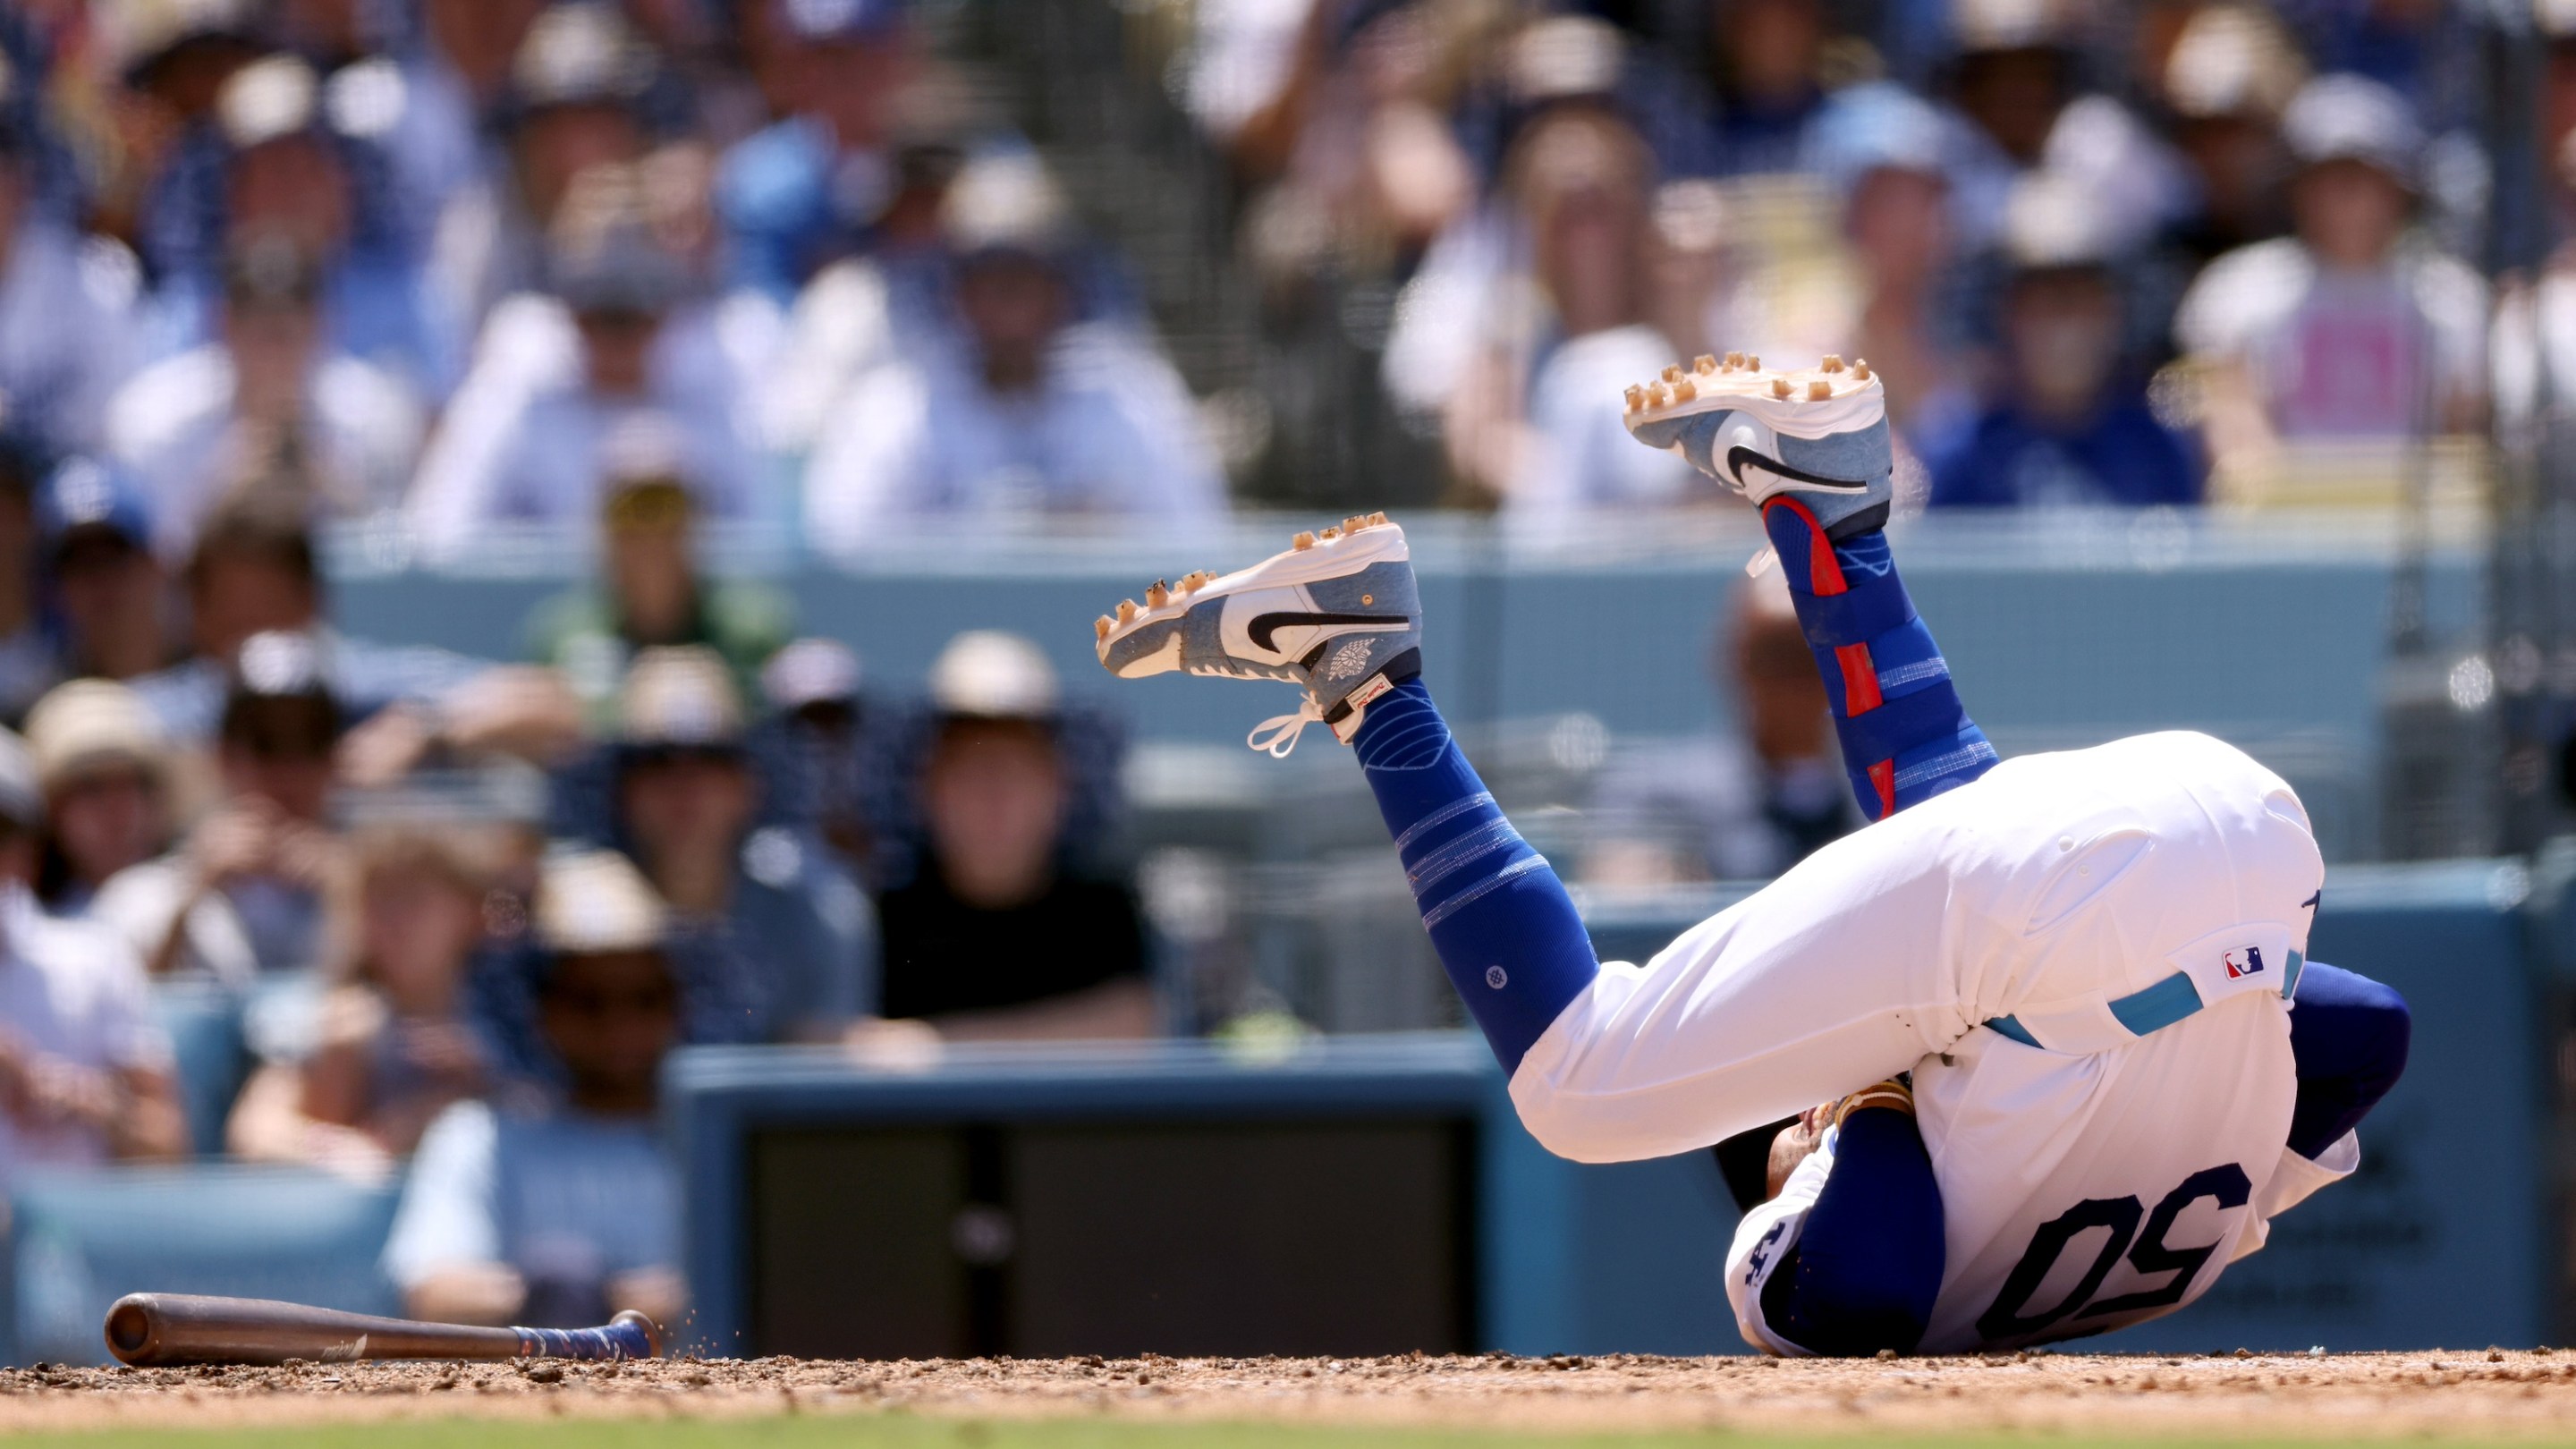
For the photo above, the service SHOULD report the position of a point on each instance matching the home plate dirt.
(2448, 1392)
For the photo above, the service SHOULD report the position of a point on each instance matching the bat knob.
(644, 1326)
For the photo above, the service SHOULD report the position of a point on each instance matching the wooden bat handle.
(163, 1330)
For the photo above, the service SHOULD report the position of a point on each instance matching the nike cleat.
(1337, 614)
(1816, 434)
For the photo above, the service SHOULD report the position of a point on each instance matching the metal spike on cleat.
(1673, 373)
(1704, 363)
(1302, 542)
(1158, 594)
(1636, 398)
(1126, 611)
(1819, 390)
(1102, 625)
(1860, 369)
(1685, 390)
(1780, 387)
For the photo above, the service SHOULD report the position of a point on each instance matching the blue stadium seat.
(80, 1240)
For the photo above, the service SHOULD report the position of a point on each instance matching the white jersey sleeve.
(2295, 1181)
(1763, 1240)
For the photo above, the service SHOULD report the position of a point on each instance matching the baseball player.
(2046, 1003)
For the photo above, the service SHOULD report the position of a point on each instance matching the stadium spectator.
(108, 590)
(1036, 416)
(265, 398)
(242, 895)
(1531, 416)
(812, 184)
(1741, 807)
(1885, 156)
(650, 590)
(1767, 59)
(174, 60)
(30, 653)
(2231, 72)
(286, 174)
(105, 768)
(254, 570)
(394, 1046)
(812, 687)
(993, 937)
(558, 1208)
(65, 307)
(765, 902)
(572, 100)
(2017, 77)
(2068, 423)
(2354, 328)
(85, 1075)
(617, 344)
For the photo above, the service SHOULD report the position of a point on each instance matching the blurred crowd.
(639, 272)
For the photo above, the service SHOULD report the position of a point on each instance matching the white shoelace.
(1282, 730)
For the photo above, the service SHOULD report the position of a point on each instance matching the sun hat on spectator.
(593, 902)
(22, 800)
(989, 674)
(1985, 26)
(84, 724)
(602, 255)
(84, 497)
(679, 697)
(141, 35)
(2354, 118)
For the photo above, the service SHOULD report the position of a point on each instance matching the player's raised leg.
(1338, 613)
(1810, 449)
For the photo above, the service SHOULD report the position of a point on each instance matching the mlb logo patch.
(2246, 962)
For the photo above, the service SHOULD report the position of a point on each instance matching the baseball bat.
(166, 1330)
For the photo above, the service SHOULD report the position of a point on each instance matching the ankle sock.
(1505, 930)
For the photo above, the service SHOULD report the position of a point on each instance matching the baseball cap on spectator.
(1981, 27)
(810, 673)
(279, 706)
(2232, 61)
(84, 499)
(592, 902)
(644, 474)
(84, 724)
(271, 99)
(679, 699)
(1563, 57)
(582, 54)
(989, 674)
(22, 801)
(2056, 224)
(1879, 126)
(823, 21)
(2354, 118)
(1005, 204)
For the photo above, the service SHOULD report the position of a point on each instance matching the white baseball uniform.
(2099, 1177)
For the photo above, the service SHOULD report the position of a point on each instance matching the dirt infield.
(2442, 1392)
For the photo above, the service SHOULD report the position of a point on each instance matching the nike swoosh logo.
(1739, 455)
(1264, 625)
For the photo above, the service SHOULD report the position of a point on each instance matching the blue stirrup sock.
(1505, 930)
(1905, 736)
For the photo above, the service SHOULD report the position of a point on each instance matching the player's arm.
(2349, 1036)
(1854, 1264)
